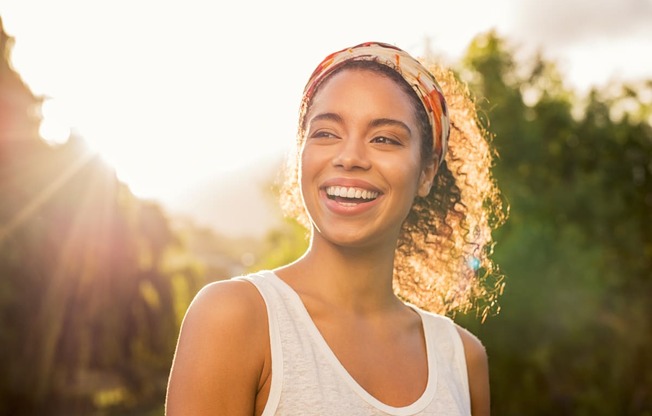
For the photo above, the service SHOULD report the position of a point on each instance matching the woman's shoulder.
(221, 353)
(469, 340)
(476, 363)
(474, 350)
(232, 300)
(477, 366)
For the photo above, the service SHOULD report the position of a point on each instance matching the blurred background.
(140, 144)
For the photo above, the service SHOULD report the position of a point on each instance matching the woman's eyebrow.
(379, 122)
(382, 122)
(327, 116)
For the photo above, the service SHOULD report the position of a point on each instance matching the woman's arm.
(219, 361)
(478, 371)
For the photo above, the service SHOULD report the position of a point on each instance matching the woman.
(395, 221)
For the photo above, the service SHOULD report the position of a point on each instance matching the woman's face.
(361, 166)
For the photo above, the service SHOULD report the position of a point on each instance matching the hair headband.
(412, 71)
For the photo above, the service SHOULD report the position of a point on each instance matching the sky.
(178, 95)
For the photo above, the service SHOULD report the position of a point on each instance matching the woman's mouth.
(350, 195)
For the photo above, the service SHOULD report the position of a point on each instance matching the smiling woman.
(397, 206)
(362, 122)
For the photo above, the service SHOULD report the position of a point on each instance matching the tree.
(89, 299)
(572, 334)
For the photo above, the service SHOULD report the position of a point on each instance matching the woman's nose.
(352, 154)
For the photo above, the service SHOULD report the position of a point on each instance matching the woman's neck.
(355, 278)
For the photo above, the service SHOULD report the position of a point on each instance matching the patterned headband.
(415, 74)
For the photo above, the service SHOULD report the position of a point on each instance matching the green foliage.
(573, 336)
(86, 308)
(282, 245)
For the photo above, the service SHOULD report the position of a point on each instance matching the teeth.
(350, 192)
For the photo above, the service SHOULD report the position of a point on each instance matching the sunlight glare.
(174, 106)
(55, 128)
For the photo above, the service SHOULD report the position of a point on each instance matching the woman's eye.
(385, 140)
(321, 134)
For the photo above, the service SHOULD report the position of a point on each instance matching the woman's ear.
(426, 178)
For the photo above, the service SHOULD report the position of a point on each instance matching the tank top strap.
(274, 306)
(447, 344)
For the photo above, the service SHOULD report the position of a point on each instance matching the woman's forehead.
(362, 90)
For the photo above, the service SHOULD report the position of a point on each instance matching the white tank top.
(308, 379)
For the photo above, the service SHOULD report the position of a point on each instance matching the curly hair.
(443, 256)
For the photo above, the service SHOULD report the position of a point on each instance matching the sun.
(137, 160)
(55, 127)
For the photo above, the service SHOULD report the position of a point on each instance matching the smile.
(350, 194)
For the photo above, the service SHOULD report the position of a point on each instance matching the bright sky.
(175, 92)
